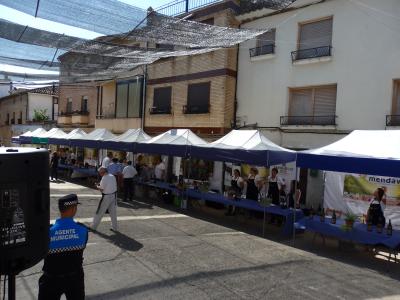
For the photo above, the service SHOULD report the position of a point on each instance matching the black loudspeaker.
(24, 208)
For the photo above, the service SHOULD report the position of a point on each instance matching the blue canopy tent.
(66, 137)
(94, 139)
(43, 138)
(174, 142)
(26, 138)
(373, 152)
(126, 141)
(244, 146)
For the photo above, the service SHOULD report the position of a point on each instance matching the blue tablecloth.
(287, 228)
(358, 234)
(87, 171)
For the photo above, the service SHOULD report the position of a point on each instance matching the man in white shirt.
(107, 160)
(128, 173)
(159, 171)
(108, 188)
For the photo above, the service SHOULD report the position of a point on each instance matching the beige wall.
(118, 125)
(17, 104)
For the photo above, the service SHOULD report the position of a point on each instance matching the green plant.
(350, 217)
(40, 115)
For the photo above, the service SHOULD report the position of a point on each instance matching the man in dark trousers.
(62, 269)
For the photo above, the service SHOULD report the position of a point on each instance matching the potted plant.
(349, 219)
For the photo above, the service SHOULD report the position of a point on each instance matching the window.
(162, 101)
(13, 118)
(198, 100)
(265, 44)
(315, 39)
(209, 21)
(8, 119)
(69, 106)
(129, 98)
(312, 106)
(165, 47)
(20, 118)
(394, 118)
(84, 104)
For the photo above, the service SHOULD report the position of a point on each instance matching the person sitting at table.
(275, 183)
(375, 213)
(253, 180)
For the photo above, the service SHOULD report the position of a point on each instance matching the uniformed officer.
(62, 269)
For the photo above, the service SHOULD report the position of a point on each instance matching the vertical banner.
(353, 192)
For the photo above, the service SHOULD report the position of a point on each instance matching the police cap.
(67, 201)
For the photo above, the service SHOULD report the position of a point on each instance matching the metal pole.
(144, 96)
(294, 204)
(187, 6)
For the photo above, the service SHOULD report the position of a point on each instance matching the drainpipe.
(235, 104)
(144, 96)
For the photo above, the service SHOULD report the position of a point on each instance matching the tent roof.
(375, 152)
(56, 133)
(245, 146)
(177, 137)
(76, 133)
(99, 134)
(37, 132)
(28, 133)
(175, 142)
(131, 136)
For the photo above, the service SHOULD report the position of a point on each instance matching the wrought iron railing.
(308, 120)
(266, 49)
(392, 120)
(312, 53)
(196, 109)
(19, 121)
(179, 7)
(12, 121)
(160, 110)
(80, 113)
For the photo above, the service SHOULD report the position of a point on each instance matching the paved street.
(163, 254)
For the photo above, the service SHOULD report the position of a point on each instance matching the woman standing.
(274, 184)
(252, 185)
(237, 182)
(376, 208)
(54, 166)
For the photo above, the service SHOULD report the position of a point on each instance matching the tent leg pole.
(294, 206)
(264, 223)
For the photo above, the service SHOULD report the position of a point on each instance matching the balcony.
(64, 119)
(160, 110)
(311, 53)
(392, 120)
(80, 117)
(263, 50)
(308, 120)
(118, 124)
(196, 109)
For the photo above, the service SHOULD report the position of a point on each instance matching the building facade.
(196, 92)
(77, 105)
(321, 71)
(28, 108)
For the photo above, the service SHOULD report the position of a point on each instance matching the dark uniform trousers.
(53, 287)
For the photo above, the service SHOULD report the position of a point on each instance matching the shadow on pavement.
(135, 204)
(130, 291)
(121, 240)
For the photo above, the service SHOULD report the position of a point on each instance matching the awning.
(244, 146)
(373, 152)
(93, 139)
(174, 142)
(27, 137)
(126, 141)
(65, 140)
(43, 138)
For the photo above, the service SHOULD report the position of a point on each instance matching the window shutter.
(266, 39)
(316, 34)
(325, 101)
(198, 97)
(301, 103)
(396, 98)
(162, 98)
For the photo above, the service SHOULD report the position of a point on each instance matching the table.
(358, 234)
(287, 213)
(86, 171)
(287, 229)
